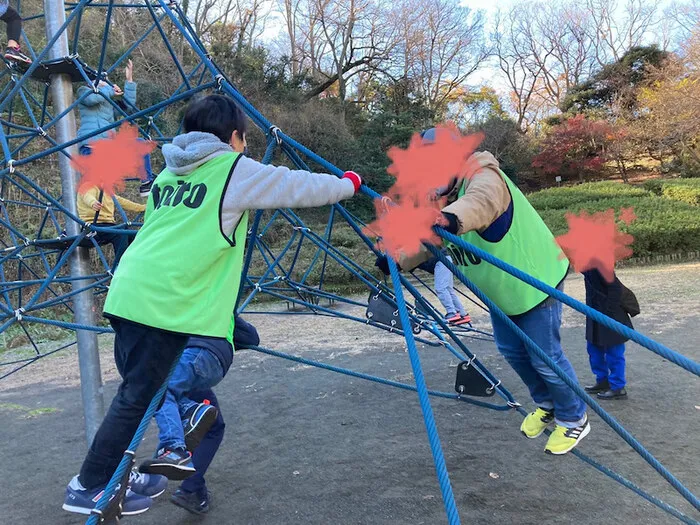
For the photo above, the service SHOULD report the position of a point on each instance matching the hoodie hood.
(189, 151)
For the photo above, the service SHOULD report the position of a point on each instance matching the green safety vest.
(182, 273)
(528, 245)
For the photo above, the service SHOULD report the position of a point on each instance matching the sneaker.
(462, 320)
(145, 188)
(197, 422)
(613, 394)
(536, 422)
(193, 502)
(15, 55)
(82, 501)
(149, 485)
(452, 318)
(563, 439)
(601, 386)
(173, 464)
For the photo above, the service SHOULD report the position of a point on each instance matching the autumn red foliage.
(113, 159)
(577, 148)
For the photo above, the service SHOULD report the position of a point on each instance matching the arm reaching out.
(256, 186)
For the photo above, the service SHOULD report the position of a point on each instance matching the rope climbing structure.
(53, 271)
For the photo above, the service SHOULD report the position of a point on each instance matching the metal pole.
(88, 350)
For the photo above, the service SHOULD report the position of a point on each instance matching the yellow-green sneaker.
(563, 439)
(536, 422)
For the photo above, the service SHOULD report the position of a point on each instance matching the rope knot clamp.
(73, 56)
(513, 404)
(11, 165)
(41, 131)
(275, 131)
(19, 312)
(491, 389)
(219, 79)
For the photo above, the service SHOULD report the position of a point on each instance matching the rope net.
(37, 287)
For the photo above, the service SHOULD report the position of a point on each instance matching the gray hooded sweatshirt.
(254, 186)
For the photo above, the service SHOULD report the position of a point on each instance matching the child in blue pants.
(606, 347)
(445, 290)
(189, 421)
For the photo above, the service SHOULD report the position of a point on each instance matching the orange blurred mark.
(594, 242)
(112, 160)
(409, 210)
(627, 215)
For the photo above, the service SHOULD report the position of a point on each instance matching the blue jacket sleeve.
(130, 94)
(245, 334)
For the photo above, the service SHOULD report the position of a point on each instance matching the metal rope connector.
(275, 131)
(41, 131)
(219, 80)
(493, 387)
(11, 165)
(513, 404)
(19, 312)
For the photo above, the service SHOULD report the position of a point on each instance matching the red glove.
(354, 178)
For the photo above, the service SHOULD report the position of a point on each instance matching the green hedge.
(663, 226)
(570, 196)
(682, 190)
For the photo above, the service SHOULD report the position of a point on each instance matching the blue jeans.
(85, 149)
(541, 324)
(608, 364)
(445, 290)
(198, 369)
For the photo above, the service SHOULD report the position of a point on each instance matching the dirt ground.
(308, 446)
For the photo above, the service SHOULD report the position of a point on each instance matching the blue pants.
(205, 452)
(198, 369)
(445, 290)
(608, 364)
(546, 389)
(87, 150)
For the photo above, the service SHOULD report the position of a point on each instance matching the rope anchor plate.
(380, 310)
(470, 382)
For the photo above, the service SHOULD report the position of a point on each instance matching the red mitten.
(354, 178)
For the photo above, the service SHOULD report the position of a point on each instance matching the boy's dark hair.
(215, 114)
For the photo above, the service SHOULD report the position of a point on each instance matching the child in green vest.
(487, 210)
(180, 276)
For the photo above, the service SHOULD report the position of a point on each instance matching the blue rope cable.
(534, 348)
(428, 418)
(657, 348)
(133, 446)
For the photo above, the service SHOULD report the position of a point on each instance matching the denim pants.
(85, 149)
(445, 289)
(541, 324)
(608, 364)
(198, 369)
(144, 357)
(205, 452)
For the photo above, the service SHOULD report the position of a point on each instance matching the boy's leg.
(615, 357)
(205, 452)
(14, 26)
(596, 358)
(198, 417)
(143, 357)
(444, 282)
(542, 325)
(171, 435)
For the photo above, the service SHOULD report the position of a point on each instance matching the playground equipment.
(52, 270)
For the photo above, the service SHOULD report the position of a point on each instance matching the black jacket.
(244, 335)
(607, 299)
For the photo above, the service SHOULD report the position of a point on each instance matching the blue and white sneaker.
(173, 464)
(149, 485)
(82, 501)
(196, 423)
